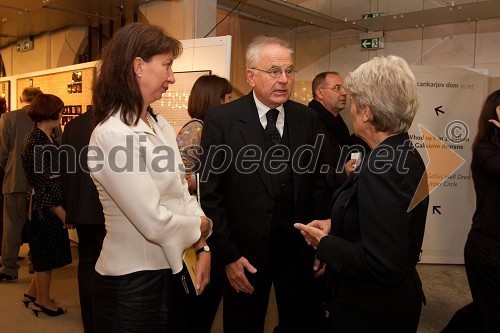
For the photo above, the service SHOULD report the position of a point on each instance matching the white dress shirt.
(262, 110)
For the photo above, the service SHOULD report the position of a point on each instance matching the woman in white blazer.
(136, 166)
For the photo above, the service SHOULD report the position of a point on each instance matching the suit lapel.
(251, 131)
(293, 120)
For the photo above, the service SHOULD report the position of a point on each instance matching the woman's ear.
(138, 62)
(366, 114)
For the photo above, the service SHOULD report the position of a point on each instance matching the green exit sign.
(372, 43)
(371, 15)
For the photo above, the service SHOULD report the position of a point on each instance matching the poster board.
(173, 104)
(450, 103)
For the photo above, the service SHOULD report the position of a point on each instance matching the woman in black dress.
(48, 237)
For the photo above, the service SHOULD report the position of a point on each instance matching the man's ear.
(319, 93)
(250, 77)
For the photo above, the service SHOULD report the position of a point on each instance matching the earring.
(139, 75)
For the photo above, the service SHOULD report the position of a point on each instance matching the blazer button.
(265, 239)
(269, 211)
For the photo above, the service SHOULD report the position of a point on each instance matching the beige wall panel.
(346, 55)
(449, 45)
(488, 42)
(404, 43)
(58, 48)
(352, 10)
(397, 6)
(6, 53)
(33, 60)
(429, 4)
(161, 13)
(312, 56)
(494, 84)
(248, 30)
(284, 33)
(320, 6)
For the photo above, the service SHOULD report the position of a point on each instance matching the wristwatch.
(205, 248)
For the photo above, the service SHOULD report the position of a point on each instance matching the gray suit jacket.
(14, 126)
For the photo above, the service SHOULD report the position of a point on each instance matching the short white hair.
(389, 88)
(260, 42)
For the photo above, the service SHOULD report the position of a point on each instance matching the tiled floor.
(445, 287)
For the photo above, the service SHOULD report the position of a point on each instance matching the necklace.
(149, 123)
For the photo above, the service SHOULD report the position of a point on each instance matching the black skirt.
(49, 241)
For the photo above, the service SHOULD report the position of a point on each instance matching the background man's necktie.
(271, 129)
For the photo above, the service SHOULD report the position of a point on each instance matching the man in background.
(83, 208)
(14, 126)
(329, 99)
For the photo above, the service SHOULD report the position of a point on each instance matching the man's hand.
(235, 272)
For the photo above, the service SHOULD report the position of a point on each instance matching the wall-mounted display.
(60, 83)
(173, 104)
(70, 112)
(75, 87)
(5, 92)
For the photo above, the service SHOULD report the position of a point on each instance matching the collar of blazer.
(249, 116)
(141, 126)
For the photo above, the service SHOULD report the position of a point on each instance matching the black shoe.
(51, 313)
(7, 278)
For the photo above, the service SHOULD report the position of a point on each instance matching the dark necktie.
(271, 129)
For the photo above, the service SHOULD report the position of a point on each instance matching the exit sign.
(371, 15)
(372, 43)
(24, 45)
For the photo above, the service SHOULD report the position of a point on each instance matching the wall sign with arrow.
(438, 110)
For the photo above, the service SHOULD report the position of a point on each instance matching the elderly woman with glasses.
(372, 242)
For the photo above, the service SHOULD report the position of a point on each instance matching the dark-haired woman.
(150, 216)
(48, 237)
(208, 91)
(482, 249)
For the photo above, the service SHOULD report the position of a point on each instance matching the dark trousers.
(482, 264)
(293, 283)
(347, 319)
(90, 238)
(136, 302)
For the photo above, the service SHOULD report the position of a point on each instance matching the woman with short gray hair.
(372, 242)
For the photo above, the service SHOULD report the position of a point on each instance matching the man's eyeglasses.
(335, 88)
(276, 72)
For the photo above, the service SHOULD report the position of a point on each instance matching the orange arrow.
(443, 161)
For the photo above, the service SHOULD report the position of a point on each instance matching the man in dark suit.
(329, 99)
(83, 208)
(258, 178)
(14, 126)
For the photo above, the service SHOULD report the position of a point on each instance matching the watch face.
(205, 248)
